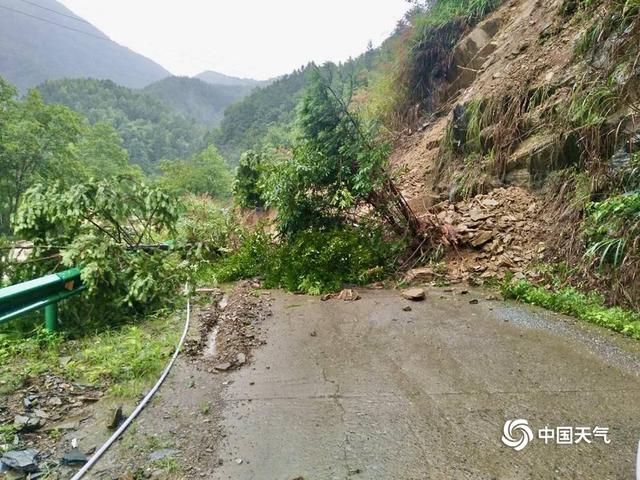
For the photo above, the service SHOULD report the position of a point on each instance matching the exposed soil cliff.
(535, 89)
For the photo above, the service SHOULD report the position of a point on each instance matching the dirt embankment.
(524, 46)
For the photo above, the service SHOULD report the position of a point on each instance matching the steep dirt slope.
(503, 54)
(518, 58)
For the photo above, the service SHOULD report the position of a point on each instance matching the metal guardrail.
(41, 293)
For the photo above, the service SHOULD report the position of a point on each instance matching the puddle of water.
(210, 348)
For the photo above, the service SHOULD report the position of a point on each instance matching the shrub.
(312, 261)
(108, 229)
(612, 229)
(246, 188)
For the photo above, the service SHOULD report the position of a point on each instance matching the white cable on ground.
(96, 456)
(638, 463)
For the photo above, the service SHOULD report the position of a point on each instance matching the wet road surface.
(365, 390)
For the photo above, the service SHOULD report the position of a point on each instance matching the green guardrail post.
(51, 317)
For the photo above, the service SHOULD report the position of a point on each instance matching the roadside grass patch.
(124, 359)
(567, 300)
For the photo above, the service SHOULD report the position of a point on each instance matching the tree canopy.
(149, 129)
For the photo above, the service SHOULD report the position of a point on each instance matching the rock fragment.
(348, 295)
(414, 294)
(22, 460)
(241, 358)
(26, 423)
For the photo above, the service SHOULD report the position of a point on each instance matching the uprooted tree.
(111, 230)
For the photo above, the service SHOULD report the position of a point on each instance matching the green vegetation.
(205, 173)
(247, 190)
(43, 143)
(263, 118)
(312, 261)
(612, 230)
(335, 173)
(149, 129)
(337, 167)
(40, 142)
(35, 143)
(103, 228)
(195, 99)
(422, 46)
(267, 117)
(618, 17)
(127, 359)
(569, 301)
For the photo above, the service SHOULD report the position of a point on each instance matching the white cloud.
(258, 39)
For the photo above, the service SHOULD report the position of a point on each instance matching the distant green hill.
(264, 116)
(267, 115)
(151, 131)
(216, 78)
(196, 99)
(51, 46)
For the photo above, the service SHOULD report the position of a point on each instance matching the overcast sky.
(252, 38)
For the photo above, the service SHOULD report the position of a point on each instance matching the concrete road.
(365, 390)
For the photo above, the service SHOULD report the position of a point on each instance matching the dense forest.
(150, 130)
(198, 100)
(73, 131)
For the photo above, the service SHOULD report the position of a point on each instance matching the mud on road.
(371, 389)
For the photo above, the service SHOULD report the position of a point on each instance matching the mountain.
(196, 99)
(151, 131)
(45, 40)
(216, 78)
(267, 115)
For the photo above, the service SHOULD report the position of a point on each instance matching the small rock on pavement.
(222, 367)
(239, 461)
(474, 301)
(160, 454)
(414, 294)
(407, 308)
(74, 457)
(348, 295)
(21, 460)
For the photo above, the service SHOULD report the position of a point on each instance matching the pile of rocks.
(501, 231)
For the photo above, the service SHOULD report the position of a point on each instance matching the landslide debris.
(497, 232)
(230, 327)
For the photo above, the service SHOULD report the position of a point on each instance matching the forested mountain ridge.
(217, 78)
(267, 115)
(150, 130)
(196, 99)
(37, 44)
